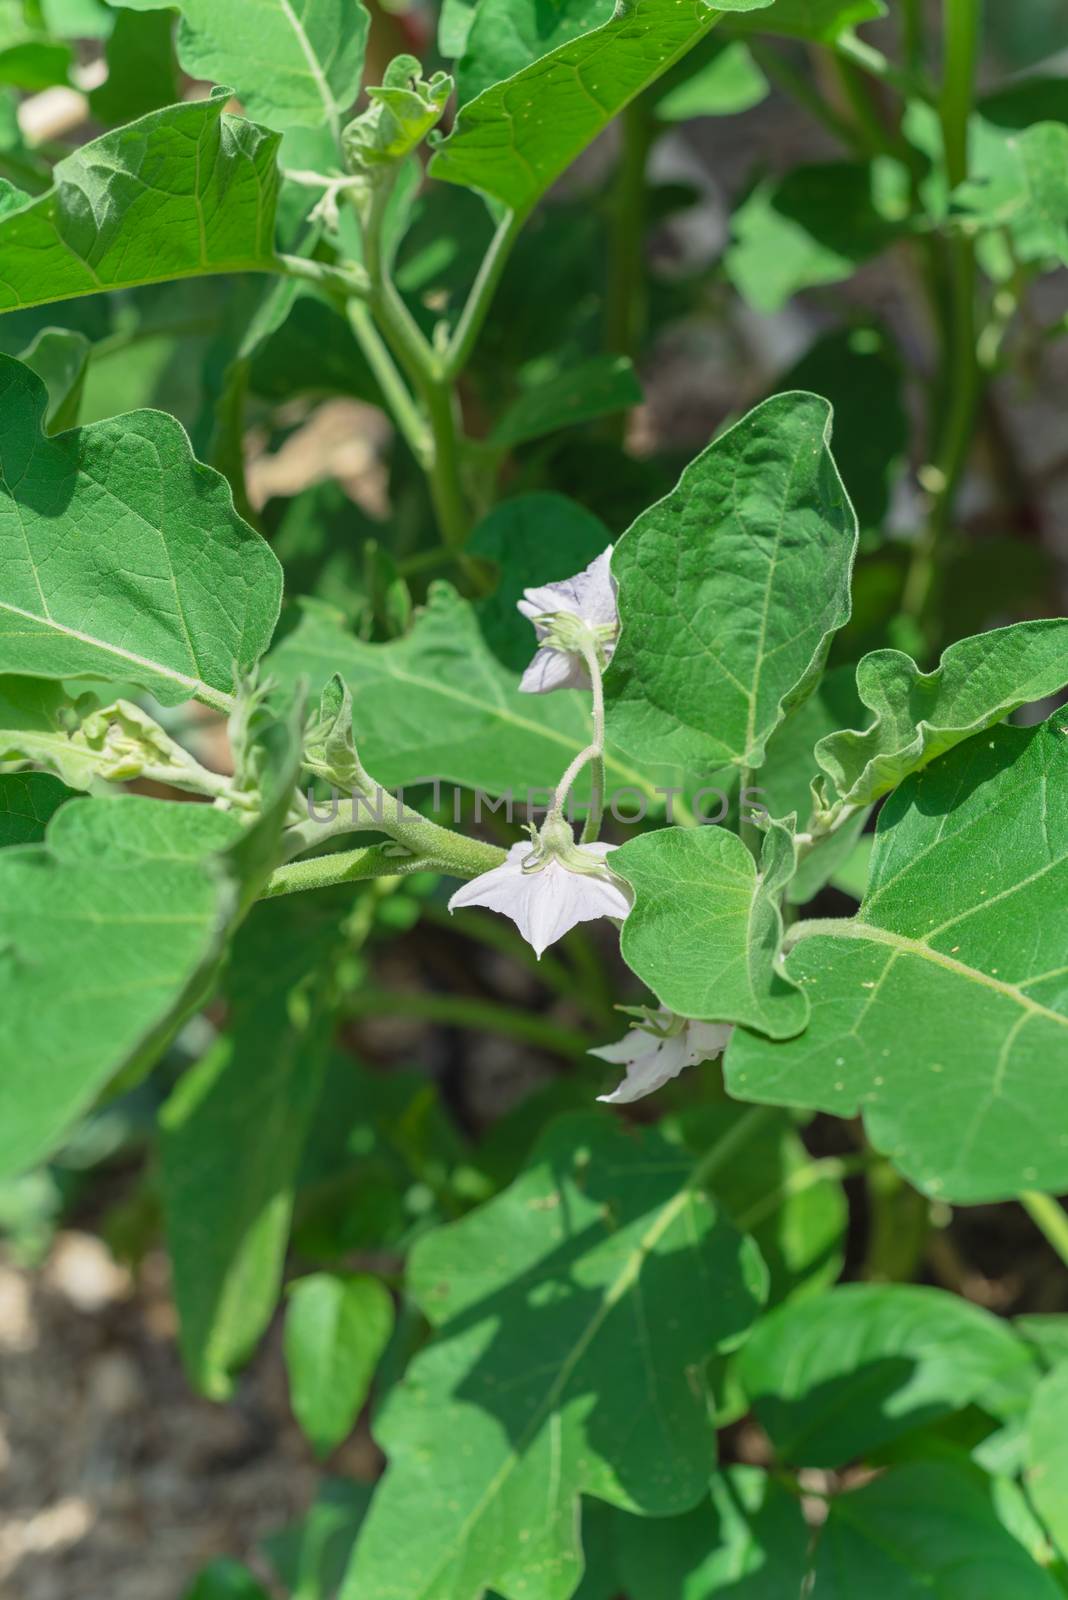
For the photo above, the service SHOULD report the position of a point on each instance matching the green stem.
(477, 305)
(349, 866)
(401, 405)
(436, 848)
(828, 1169)
(625, 304)
(960, 386)
(463, 1011)
(346, 280)
(1050, 1217)
(779, 70)
(912, 34)
(594, 752)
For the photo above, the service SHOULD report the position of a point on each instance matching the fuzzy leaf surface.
(607, 1260)
(705, 928)
(941, 1010)
(184, 191)
(919, 715)
(730, 589)
(121, 556)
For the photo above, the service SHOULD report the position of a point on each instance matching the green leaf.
(293, 62)
(437, 703)
(841, 1375)
(773, 1192)
(121, 557)
(1047, 1454)
(859, 371)
(225, 1580)
(730, 590)
(533, 539)
(142, 72)
(516, 138)
(27, 802)
(310, 1556)
(821, 20)
(941, 1010)
(814, 226)
(28, 58)
(232, 1136)
(1019, 184)
(573, 1317)
(132, 208)
(717, 79)
(507, 35)
(926, 1528)
(919, 716)
(336, 1330)
(705, 929)
(104, 931)
(594, 388)
(749, 1542)
(60, 359)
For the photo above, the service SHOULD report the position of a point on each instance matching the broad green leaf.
(747, 1542)
(455, 21)
(859, 371)
(594, 388)
(507, 35)
(310, 1556)
(1047, 1333)
(926, 1528)
(132, 207)
(841, 1375)
(27, 802)
(232, 1136)
(1019, 145)
(1047, 1454)
(532, 539)
(437, 703)
(790, 768)
(821, 20)
(730, 590)
(121, 557)
(705, 928)
(517, 137)
(772, 1192)
(293, 62)
(573, 1315)
(142, 71)
(336, 1330)
(104, 930)
(60, 359)
(813, 226)
(717, 79)
(76, 19)
(28, 58)
(941, 1010)
(920, 715)
(11, 199)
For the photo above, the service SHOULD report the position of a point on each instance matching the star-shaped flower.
(563, 613)
(546, 889)
(657, 1049)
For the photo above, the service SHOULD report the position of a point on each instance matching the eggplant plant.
(718, 768)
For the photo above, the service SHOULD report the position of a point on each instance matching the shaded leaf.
(27, 802)
(821, 20)
(1047, 1454)
(336, 1330)
(730, 590)
(507, 35)
(941, 1010)
(122, 557)
(142, 71)
(579, 1261)
(717, 79)
(594, 388)
(60, 358)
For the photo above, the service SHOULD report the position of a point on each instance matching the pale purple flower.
(546, 901)
(589, 598)
(654, 1055)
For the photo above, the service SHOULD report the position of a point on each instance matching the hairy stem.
(468, 328)
(594, 752)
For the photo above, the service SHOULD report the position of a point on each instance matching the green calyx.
(402, 112)
(565, 631)
(555, 841)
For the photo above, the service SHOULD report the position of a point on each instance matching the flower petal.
(554, 669)
(706, 1040)
(649, 1071)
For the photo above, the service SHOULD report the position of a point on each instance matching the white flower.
(543, 895)
(559, 612)
(657, 1051)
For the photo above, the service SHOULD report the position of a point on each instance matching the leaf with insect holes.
(941, 1010)
(730, 590)
(122, 557)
